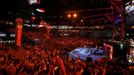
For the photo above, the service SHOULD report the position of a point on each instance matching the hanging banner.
(19, 35)
(19, 27)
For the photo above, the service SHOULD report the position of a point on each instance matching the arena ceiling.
(91, 11)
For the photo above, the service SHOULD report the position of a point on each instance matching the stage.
(84, 53)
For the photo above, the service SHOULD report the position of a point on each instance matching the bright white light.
(2, 35)
(12, 35)
(41, 25)
(75, 15)
(34, 1)
(40, 10)
(132, 1)
(130, 60)
(34, 25)
(27, 25)
(68, 15)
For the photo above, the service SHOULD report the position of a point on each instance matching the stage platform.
(84, 53)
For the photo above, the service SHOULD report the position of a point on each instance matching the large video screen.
(130, 55)
(129, 11)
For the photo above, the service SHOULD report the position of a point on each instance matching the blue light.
(121, 46)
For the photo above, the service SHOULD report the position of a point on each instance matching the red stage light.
(75, 15)
(68, 15)
(40, 10)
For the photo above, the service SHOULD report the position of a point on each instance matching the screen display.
(130, 55)
(129, 11)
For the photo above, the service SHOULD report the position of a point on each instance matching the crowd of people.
(74, 42)
(34, 59)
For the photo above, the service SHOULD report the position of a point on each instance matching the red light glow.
(68, 15)
(40, 10)
(75, 15)
(19, 35)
